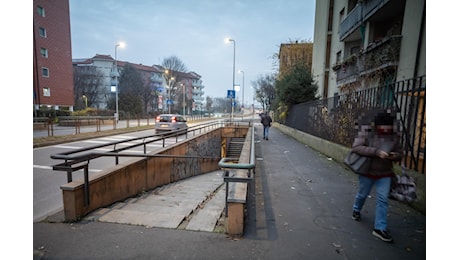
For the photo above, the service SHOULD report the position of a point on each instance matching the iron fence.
(334, 118)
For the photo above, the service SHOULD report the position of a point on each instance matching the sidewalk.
(71, 130)
(301, 209)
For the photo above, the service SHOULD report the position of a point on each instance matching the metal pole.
(233, 85)
(116, 84)
(243, 92)
(242, 96)
(169, 96)
(183, 101)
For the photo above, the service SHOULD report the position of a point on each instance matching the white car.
(170, 122)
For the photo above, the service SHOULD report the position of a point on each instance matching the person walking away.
(266, 121)
(379, 141)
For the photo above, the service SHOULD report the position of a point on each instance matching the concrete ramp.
(196, 203)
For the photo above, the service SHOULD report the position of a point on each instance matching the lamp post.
(233, 84)
(168, 80)
(253, 102)
(169, 98)
(121, 44)
(86, 100)
(183, 99)
(242, 94)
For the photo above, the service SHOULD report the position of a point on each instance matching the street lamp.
(233, 85)
(121, 44)
(168, 81)
(170, 100)
(183, 99)
(242, 98)
(86, 100)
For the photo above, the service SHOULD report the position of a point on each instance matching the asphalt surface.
(300, 208)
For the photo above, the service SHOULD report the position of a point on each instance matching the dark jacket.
(266, 120)
(369, 147)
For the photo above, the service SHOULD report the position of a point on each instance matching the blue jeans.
(266, 131)
(382, 188)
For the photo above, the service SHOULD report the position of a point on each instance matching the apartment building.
(293, 53)
(197, 92)
(52, 55)
(184, 93)
(98, 85)
(364, 43)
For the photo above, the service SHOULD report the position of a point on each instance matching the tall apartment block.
(364, 43)
(52, 55)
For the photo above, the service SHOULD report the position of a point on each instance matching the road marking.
(44, 167)
(94, 142)
(117, 138)
(66, 147)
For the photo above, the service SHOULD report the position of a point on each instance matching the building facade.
(52, 56)
(365, 43)
(181, 92)
(197, 93)
(293, 53)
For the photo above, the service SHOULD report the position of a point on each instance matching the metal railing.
(80, 159)
(64, 125)
(232, 163)
(334, 118)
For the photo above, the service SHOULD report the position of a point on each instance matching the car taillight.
(173, 119)
(157, 119)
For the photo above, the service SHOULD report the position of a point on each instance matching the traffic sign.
(230, 93)
(169, 101)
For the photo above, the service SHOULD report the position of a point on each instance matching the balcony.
(197, 83)
(377, 56)
(198, 92)
(359, 15)
(351, 22)
(198, 99)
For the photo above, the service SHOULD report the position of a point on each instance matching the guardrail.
(80, 159)
(239, 195)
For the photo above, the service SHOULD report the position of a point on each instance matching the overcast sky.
(195, 32)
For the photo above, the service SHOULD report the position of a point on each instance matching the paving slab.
(147, 219)
(207, 217)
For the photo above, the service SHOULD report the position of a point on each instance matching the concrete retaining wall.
(129, 179)
(237, 194)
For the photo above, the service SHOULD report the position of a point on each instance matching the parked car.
(170, 122)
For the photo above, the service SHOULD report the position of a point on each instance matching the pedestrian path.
(196, 203)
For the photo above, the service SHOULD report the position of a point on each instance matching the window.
(44, 52)
(46, 92)
(42, 32)
(45, 72)
(41, 11)
(355, 49)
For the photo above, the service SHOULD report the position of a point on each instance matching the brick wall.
(56, 22)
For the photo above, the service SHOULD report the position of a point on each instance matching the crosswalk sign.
(230, 93)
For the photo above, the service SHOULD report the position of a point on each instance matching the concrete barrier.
(237, 194)
(129, 179)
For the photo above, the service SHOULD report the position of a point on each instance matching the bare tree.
(208, 103)
(88, 86)
(174, 74)
(265, 90)
(131, 91)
